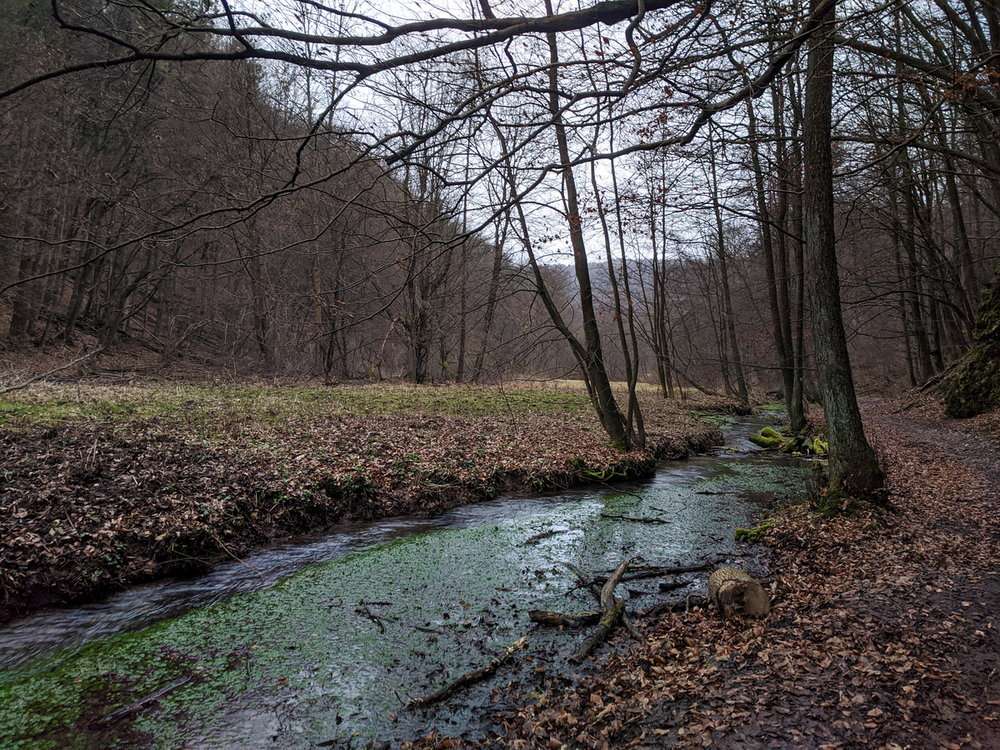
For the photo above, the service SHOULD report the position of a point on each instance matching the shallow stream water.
(326, 640)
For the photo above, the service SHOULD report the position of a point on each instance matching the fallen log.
(563, 620)
(734, 590)
(470, 678)
(612, 610)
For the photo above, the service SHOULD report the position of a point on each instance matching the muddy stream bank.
(328, 639)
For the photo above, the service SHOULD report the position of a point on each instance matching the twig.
(365, 612)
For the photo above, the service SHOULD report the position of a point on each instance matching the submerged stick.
(563, 620)
(470, 678)
(543, 535)
(126, 711)
(633, 519)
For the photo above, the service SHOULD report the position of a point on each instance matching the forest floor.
(105, 486)
(885, 630)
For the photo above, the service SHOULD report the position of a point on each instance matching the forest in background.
(205, 211)
(240, 240)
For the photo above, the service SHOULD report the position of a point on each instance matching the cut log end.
(733, 590)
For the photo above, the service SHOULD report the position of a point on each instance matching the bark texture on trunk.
(853, 466)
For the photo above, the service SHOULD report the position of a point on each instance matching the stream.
(325, 640)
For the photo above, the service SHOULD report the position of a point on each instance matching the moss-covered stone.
(974, 386)
(756, 533)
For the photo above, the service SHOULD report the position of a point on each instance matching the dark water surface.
(329, 638)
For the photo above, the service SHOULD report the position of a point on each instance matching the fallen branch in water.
(543, 535)
(633, 519)
(561, 620)
(367, 613)
(612, 609)
(658, 571)
(584, 580)
(470, 678)
(692, 601)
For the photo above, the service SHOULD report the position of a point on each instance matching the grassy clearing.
(105, 486)
(206, 404)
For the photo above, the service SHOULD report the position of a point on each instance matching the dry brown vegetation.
(883, 634)
(104, 486)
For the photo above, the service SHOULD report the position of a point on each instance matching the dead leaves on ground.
(90, 507)
(884, 634)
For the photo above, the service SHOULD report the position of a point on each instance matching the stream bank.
(370, 619)
(109, 488)
(884, 630)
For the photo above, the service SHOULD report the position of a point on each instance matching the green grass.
(205, 404)
(771, 407)
(719, 420)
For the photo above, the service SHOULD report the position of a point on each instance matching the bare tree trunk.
(853, 466)
(727, 300)
(607, 408)
(778, 319)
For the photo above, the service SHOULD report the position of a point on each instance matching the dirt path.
(885, 631)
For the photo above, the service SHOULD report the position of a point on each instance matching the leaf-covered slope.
(974, 387)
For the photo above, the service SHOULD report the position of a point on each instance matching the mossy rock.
(771, 439)
(756, 533)
(765, 441)
(974, 386)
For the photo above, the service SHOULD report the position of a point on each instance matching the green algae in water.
(302, 639)
(337, 649)
(788, 480)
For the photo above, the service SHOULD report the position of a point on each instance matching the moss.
(803, 443)
(766, 442)
(756, 533)
(771, 407)
(716, 419)
(974, 385)
(445, 598)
